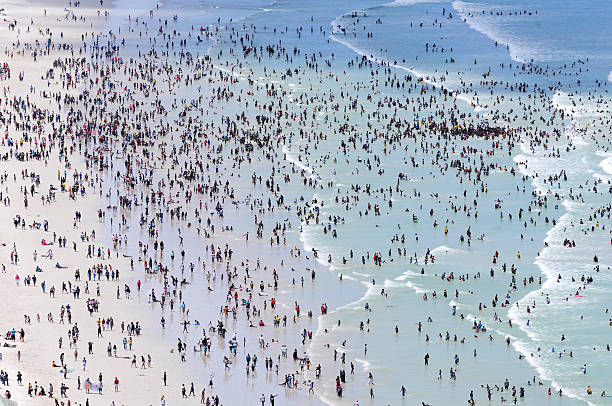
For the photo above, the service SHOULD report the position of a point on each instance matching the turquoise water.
(362, 67)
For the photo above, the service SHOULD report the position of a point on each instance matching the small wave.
(469, 11)
(415, 288)
(380, 61)
(564, 101)
(350, 278)
(298, 163)
(408, 274)
(444, 250)
(536, 362)
(606, 165)
(367, 366)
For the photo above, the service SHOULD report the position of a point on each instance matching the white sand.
(41, 345)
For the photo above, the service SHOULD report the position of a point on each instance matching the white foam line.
(412, 71)
(401, 3)
(550, 277)
(464, 9)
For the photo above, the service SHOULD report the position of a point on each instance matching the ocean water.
(495, 60)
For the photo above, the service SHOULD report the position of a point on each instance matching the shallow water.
(335, 33)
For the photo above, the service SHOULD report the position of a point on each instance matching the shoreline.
(213, 234)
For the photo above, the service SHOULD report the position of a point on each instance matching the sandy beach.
(51, 322)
